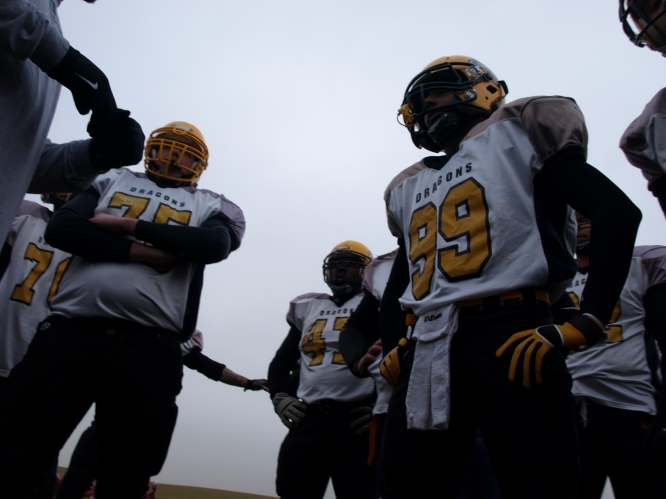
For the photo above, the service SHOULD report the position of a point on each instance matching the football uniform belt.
(522, 295)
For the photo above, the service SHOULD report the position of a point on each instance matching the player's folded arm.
(71, 230)
(567, 176)
(391, 315)
(360, 332)
(209, 243)
(280, 366)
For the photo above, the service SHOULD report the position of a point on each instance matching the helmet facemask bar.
(176, 154)
(354, 264)
(644, 30)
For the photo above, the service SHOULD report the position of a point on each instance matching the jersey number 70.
(462, 214)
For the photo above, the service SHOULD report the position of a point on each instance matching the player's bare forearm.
(231, 378)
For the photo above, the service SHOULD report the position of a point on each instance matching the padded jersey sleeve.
(392, 216)
(26, 32)
(653, 259)
(553, 124)
(643, 141)
(232, 215)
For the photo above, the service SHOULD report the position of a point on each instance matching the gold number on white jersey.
(314, 344)
(136, 205)
(338, 325)
(613, 330)
(25, 292)
(462, 214)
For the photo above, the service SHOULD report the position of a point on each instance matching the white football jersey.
(29, 283)
(615, 372)
(478, 226)
(644, 141)
(135, 291)
(324, 374)
(376, 276)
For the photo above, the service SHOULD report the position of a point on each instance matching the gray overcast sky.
(297, 102)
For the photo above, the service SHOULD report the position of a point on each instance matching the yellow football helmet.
(638, 18)
(476, 92)
(344, 266)
(176, 153)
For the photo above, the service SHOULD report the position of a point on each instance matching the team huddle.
(504, 349)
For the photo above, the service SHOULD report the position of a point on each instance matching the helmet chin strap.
(583, 247)
(342, 292)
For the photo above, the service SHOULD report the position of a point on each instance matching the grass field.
(166, 491)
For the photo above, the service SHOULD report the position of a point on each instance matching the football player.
(36, 61)
(140, 243)
(361, 349)
(30, 270)
(613, 381)
(330, 415)
(84, 466)
(486, 242)
(643, 142)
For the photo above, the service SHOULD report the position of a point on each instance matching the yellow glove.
(390, 365)
(580, 333)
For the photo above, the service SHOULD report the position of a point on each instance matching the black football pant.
(530, 433)
(324, 446)
(131, 373)
(83, 466)
(612, 444)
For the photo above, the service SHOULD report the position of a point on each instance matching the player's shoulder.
(227, 209)
(104, 180)
(34, 210)
(310, 297)
(408, 172)
(386, 258)
(650, 253)
(551, 122)
(372, 267)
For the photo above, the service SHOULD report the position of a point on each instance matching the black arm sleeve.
(391, 315)
(563, 309)
(615, 221)
(71, 230)
(360, 332)
(205, 365)
(655, 320)
(658, 188)
(285, 357)
(5, 257)
(209, 243)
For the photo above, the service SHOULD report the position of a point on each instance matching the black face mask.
(444, 127)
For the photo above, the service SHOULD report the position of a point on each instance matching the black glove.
(362, 419)
(120, 145)
(90, 89)
(255, 384)
(290, 409)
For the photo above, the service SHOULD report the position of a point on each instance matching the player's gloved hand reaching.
(90, 89)
(120, 145)
(290, 409)
(580, 333)
(362, 419)
(390, 365)
(256, 384)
